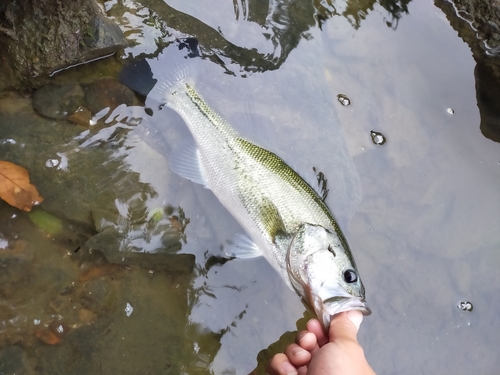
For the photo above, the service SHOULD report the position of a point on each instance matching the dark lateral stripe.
(212, 116)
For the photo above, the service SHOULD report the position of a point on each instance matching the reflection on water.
(357, 11)
(247, 37)
(488, 100)
(464, 18)
(425, 236)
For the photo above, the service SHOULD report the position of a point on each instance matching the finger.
(307, 340)
(346, 325)
(279, 365)
(315, 327)
(297, 356)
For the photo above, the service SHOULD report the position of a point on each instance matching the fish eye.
(350, 276)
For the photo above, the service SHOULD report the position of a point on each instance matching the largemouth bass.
(285, 219)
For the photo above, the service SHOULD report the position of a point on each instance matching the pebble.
(82, 116)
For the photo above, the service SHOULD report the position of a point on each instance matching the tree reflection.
(284, 23)
(487, 71)
(488, 100)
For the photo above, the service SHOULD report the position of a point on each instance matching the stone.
(167, 263)
(82, 116)
(58, 101)
(17, 252)
(103, 37)
(43, 38)
(86, 316)
(107, 92)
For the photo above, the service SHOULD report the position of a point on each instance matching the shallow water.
(424, 232)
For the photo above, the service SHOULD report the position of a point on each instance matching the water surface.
(420, 211)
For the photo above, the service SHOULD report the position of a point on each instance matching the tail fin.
(153, 77)
(138, 77)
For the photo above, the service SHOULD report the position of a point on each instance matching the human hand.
(315, 352)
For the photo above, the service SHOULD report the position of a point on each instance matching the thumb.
(345, 325)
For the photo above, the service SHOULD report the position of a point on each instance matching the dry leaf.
(15, 187)
(47, 336)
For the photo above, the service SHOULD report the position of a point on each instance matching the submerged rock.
(167, 263)
(42, 37)
(107, 93)
(16, 253)
(13, 360)
(108, 243)
(58, 101)
(82, 116)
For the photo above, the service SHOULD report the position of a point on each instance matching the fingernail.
(302, 335)
(356, 317)
(289, 369)
(298, 352)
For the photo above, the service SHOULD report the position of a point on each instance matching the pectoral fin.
(242, 247)
(271, 219)
(185, 161)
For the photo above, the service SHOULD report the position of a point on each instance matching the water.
(425, 234)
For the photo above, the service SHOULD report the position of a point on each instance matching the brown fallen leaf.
(47, 336)
(15, 187)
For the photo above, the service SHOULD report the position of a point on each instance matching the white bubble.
(344, 100)
(465, 306)
(128, 309)
(377, 138)
(63, 164)
(52, 163)
(7, 141)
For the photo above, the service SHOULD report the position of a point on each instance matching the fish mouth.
(335, 305)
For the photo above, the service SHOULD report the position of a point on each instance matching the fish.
(284, 218)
